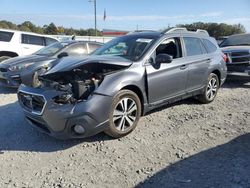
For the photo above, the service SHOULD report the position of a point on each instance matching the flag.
(104, 15)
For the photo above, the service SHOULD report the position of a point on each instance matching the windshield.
(236, 40)
(51, 49)
(129, 47)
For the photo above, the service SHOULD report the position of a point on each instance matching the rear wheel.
(211, 89)
(124, 114)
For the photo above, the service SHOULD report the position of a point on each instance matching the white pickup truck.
(17, 43)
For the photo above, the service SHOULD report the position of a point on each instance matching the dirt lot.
(183, 145)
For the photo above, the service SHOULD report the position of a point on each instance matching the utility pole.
(94, 1)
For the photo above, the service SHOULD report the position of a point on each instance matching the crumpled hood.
(235, 48)
(69, 63)
(24, 59)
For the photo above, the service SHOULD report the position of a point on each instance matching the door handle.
(26, 48)
(183, 67)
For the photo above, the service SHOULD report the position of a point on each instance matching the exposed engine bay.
(79, 83)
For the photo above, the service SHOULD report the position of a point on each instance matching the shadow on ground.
(225, 166)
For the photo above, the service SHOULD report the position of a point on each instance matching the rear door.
(167, 80)
(198, 62)
(31, 43)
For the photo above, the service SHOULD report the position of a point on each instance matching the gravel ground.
(183, 145)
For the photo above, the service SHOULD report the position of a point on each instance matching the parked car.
(18, 43)
(237, 49)
(29, 67)
(123, 80)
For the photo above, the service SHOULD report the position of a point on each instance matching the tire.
(210, 90)
(2, 58)
(124, 114)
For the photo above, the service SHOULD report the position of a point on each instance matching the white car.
(18, 43)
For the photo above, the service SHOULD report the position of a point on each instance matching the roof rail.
(183, 29)
(202, 31)
(175, 29)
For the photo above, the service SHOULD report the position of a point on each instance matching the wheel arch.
(8, 53)
(218, 73)
(138, 92)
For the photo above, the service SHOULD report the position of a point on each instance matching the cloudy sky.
(126, 15)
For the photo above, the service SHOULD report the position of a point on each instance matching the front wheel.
(124, 114)
(210, 90)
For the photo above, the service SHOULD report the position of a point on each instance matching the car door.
(167, 80)
(198, 61)
(31, 43)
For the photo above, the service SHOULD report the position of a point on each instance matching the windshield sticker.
(144, 40)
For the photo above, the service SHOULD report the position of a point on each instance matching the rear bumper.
(59, 120)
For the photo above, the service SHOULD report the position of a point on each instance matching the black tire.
(210, 90)
(122, 120)
(2, 58)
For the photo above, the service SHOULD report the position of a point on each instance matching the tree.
(214, 29)
(51, 29)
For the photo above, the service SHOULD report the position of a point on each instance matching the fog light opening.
(79, 129)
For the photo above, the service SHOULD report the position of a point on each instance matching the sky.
(126, 15)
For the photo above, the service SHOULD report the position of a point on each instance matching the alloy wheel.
(125, 114)
(212, 88)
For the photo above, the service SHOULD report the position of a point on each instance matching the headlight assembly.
(20, 67)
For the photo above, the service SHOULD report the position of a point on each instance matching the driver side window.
(171, 46)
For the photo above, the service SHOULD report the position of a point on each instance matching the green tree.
(214, 29)
(51, 29)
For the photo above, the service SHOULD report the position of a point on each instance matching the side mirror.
(63, 54)
(163, 58)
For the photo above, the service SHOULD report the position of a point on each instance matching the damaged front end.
(79, 83)
(64, 104)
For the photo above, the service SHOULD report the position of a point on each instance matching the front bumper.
(59, 120)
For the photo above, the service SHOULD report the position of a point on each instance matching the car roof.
(145, 33)
(26, 32)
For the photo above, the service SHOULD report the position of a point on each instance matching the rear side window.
(49, 41)
(93, 47)
(194, 46)
(6, 36)
(33, 40)
(209, 46)
(77, 49)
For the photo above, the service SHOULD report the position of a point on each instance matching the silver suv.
(123, 80)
